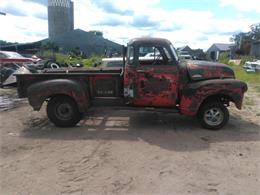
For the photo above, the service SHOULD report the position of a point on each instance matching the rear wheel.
(63, 111)
(213, 115)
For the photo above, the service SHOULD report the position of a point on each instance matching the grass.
(242, 75)
(240, 72)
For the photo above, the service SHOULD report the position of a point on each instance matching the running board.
(120, 104)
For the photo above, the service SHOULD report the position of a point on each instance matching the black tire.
(52, 65)
(213, 115)
(63, 111)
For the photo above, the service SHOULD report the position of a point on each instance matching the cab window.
(154, 55)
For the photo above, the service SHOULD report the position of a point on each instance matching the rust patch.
(155, 85)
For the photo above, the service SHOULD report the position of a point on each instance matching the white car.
(252, 66)
(185, 55)
(152, 55)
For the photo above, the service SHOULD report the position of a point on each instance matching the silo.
(60, 16)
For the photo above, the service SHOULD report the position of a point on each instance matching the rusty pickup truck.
(159, 82)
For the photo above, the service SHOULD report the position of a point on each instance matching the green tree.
(199, 54)
(243, 40)
(5, 43)
(255, 32)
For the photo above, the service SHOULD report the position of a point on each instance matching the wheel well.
(59, 95)
(224, 99)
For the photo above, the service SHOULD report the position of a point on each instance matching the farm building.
(216, 49)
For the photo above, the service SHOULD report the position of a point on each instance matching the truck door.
(153, 78)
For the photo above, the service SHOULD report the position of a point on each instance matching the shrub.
(245, 58)
(69, 59)
(90, 62)
(224, 58)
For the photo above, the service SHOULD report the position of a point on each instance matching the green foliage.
(5, 43)
(245, 58)
(243, 40)
(91, 61)
(199, 54)
(68, 59)
(252, 35)
(76, 53)
(224, 58)
(62, 58)
(255, 31)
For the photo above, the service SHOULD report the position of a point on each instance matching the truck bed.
(101, 83)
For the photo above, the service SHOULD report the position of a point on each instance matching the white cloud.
(22, 8)
(24, 21)
(242, 5)
(22, 29)
(198, 29)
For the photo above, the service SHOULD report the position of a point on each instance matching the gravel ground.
(128, 152)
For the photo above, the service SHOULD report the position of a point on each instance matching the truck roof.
(149, 40)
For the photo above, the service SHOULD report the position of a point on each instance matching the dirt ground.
(129, 152)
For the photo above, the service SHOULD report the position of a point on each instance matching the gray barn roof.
(220, 47)
(223, 46)
(184, 48)
(88, 42)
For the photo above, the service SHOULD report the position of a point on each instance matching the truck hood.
(203, 70)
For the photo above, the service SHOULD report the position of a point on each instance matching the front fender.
(194, 94)
(39, 92)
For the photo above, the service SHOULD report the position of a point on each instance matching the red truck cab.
(151, 81)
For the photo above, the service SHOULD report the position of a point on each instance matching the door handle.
(140, 71)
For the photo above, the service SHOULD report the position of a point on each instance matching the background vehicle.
(165, 84)
(112, 62)
(7, 71)
(185, 55)
(155, 54)
(14, 56)
(252, 66)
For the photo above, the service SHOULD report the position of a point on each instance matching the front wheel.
(63, 111)
(213, 115)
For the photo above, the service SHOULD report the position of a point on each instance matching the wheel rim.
(54, 66)
(213, 116)
(64, 111)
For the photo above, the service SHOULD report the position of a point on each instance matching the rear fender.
(194, 94)
(41, 91)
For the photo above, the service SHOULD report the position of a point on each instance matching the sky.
(197, 23)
